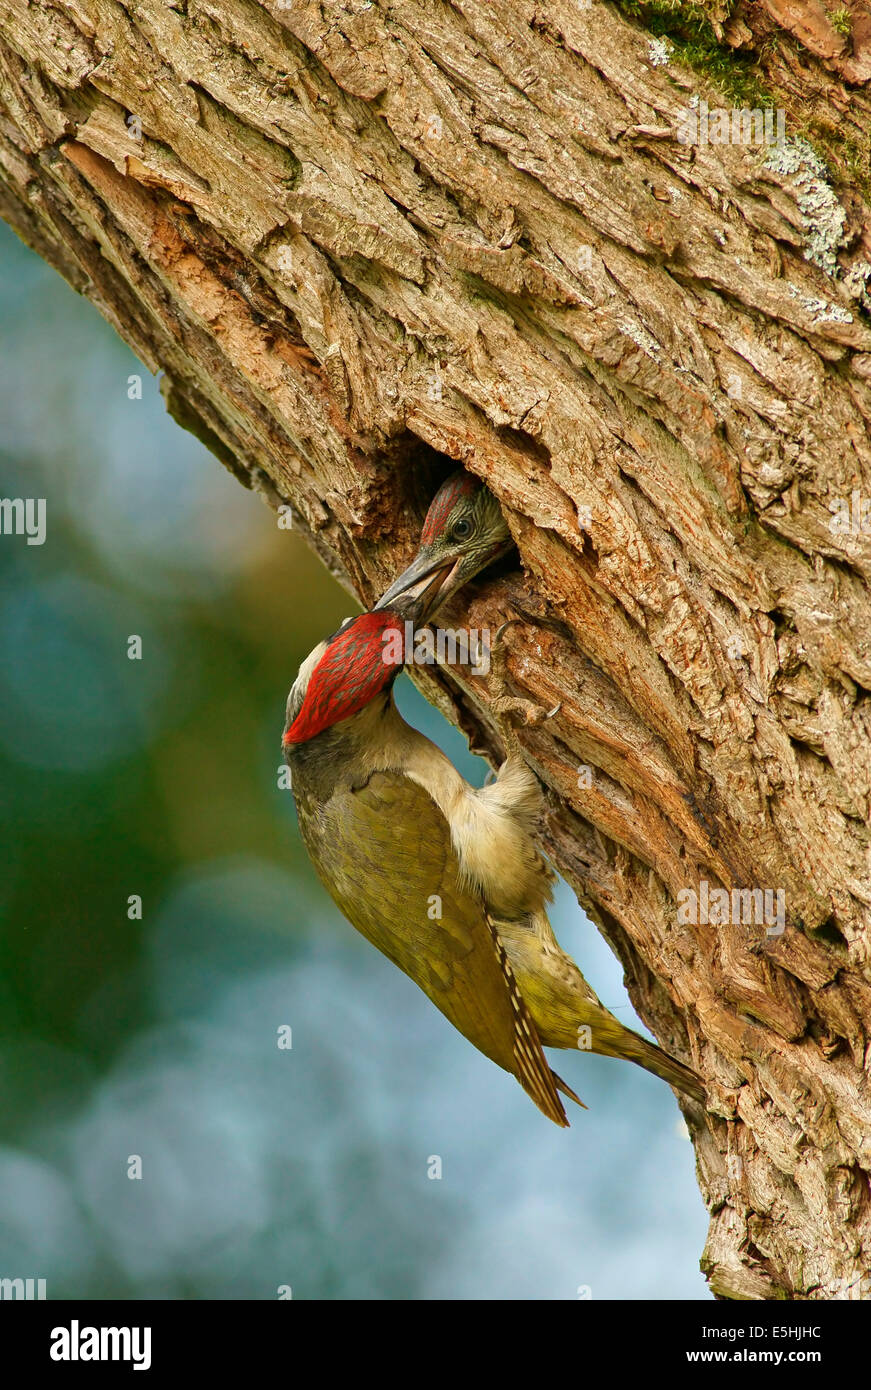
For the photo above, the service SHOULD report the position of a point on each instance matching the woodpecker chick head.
(464, 531)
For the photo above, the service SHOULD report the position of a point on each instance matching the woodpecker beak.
(437, 571)
(427, 583)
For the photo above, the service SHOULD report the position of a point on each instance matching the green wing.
(405, 896)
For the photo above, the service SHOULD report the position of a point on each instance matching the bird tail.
(652, 1058)
(568, 1014)
(567, 1090)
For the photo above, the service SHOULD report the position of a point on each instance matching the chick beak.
(423, 583)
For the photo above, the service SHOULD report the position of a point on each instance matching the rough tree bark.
(360, 237)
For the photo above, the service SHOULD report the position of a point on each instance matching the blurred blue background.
(261, 1167)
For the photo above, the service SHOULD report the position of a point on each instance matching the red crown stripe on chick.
(447, 497)
(351, 672)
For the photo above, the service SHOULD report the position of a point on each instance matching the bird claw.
(507, 708)
(509, 622)
(498, 655)
(526, 711)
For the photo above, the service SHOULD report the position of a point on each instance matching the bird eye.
(462, 528)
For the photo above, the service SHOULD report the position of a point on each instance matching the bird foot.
(507, 709)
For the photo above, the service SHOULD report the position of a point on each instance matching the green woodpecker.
(444, 879)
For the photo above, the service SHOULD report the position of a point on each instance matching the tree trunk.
(358, 238)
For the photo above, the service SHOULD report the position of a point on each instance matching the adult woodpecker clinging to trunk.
(444, 879)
